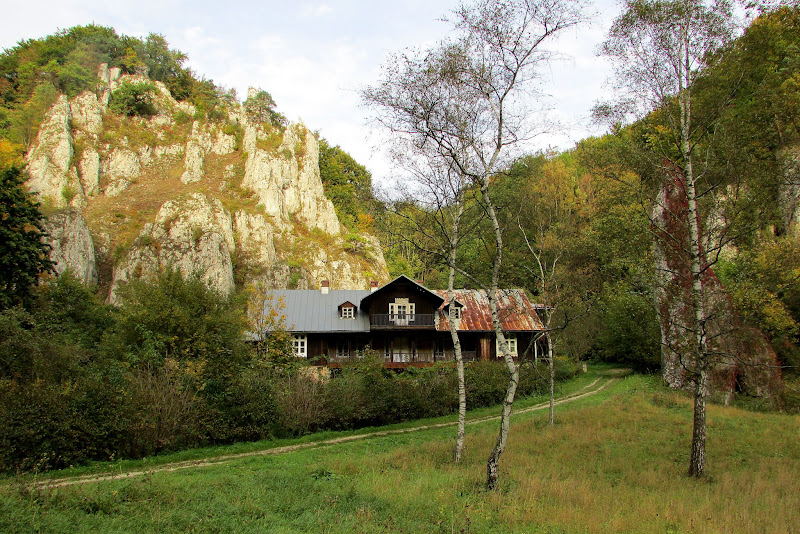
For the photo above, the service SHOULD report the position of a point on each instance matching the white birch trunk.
(513, 367)
(462, 390)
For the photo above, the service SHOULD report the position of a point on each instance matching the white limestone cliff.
(288, 182)
(193, 235)
(72, 245)
(230, 201)
(51, 156)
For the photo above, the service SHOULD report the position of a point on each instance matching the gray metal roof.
(308, 310)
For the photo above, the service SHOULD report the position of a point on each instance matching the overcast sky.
(313, 55)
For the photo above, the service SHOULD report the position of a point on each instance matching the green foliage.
(50, 425)
(181, 319)
(253, 412)
(25, 119)
(35, 71)
(272, 341)
(763, 282)
(69, 60)
(133, 100)
(67, 306)
(260, 108)
(629, 333)
(347, 184)
(23, 255)
(28, 353)
(60, 401)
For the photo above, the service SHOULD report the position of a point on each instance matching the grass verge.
(614, 462)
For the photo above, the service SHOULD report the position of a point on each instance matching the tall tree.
(659, 48)
(467, 102)
(441, 193)
(547, 212)
(24, 257)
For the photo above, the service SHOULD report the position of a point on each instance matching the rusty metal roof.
(517, 312)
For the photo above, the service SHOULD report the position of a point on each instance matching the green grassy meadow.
(614, 462)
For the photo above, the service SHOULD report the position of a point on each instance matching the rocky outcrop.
(287, 180)
(72, 245)
(740, 358)
(193, 235)
(89, 171)
(87, 113)
(198, 146)
(50, 159)
(229, 201)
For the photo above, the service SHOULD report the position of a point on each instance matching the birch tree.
(471, 101)
(440, 194)
(548, 223)
(659, 48)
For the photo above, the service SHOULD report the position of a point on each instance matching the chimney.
(373, 286)
(326, 285)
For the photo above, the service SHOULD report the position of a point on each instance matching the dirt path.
(217, 460)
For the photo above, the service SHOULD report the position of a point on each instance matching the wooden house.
(406, 323)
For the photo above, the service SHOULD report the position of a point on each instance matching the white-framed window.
(455, 313)
(511, 344)
(401, 311)
(300, 345)
(348, 312)
(438, 351)
(341, 351)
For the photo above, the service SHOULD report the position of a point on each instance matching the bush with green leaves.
(260, 108)
(133, 100)
(61, 403)
(172, 317)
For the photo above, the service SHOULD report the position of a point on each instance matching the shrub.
(182, 319)
(47, 425)
(252, 411)
(486, 383)
(165, 410)
(133, 99)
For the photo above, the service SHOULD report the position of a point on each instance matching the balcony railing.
(403, 320)
(408, 357)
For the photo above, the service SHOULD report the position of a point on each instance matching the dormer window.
(455, 313)
(347, 310)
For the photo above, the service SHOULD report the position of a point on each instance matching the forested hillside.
(594, 209)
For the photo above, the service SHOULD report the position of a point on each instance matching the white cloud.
(318, 10)
(311, 56)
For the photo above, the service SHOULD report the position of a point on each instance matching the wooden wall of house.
(486, 348)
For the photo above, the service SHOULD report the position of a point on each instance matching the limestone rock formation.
(741, 358)
(288, 182)
(50, 158)
(72, 245)
(193, 235)
(232, 201)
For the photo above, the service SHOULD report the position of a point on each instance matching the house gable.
(402, 287)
